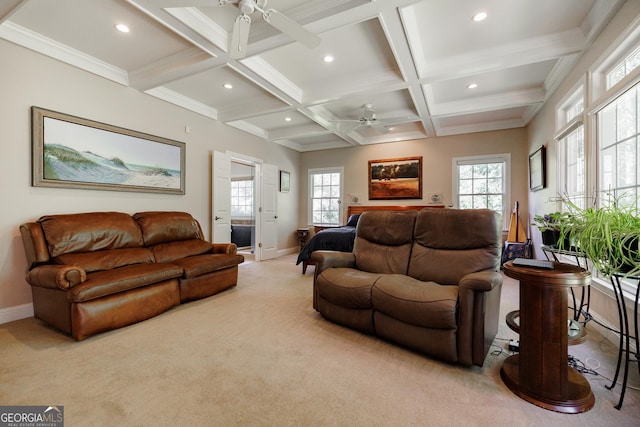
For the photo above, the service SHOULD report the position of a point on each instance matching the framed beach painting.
(72, 152)
(399, 178)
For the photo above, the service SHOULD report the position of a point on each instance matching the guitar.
(516, 229)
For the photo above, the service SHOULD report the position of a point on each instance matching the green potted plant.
(608, 236)
(550, 226)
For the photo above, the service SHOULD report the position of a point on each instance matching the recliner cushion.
(451, 243)
(163, 227)
(412, 301)
(198, 265)
(346, 287)
(106, 260)
(168, 252)
(92, 231)
(103, 283)
(383, 241)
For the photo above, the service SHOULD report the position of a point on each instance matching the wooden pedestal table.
(540, 373)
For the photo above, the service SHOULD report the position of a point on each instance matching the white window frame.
(317, 171)
(600, 95)
(566, 126)
(491, 158)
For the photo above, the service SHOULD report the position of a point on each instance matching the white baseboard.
(288, 251)
(17, 312)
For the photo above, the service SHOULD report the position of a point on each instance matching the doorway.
(243, 207)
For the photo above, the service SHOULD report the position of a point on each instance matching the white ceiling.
(412, 60)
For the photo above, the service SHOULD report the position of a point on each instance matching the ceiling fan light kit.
(242, 25)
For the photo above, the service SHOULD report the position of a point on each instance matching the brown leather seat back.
(162, 227)
(383, 241)
(450, 243)
(85, 232)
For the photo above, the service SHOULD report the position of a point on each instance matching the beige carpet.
(259, 355)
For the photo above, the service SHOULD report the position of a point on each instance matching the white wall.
(28, 78)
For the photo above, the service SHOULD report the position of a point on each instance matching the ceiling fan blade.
(240, 37)
(291, 28)
(395, 120)
(379, 127)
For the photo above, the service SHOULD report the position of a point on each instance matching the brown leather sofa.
(428, 280)
(94, 272)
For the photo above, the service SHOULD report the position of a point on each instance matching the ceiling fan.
(369, 120)
(240, 35)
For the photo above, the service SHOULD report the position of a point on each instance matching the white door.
(221, 227)
(268, 245)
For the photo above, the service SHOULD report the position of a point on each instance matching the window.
(572, 161)
(619, 145)
(242, 198)
(481, 182)
(624, 68)
(325, 190)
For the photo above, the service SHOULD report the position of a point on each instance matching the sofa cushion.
(425, 304)
(103, 283)
(198, 265)
(383, 241)
(347, 287)
(163, 227)
(451, 243)
(168, 252)
(87, 232)
(106, 260)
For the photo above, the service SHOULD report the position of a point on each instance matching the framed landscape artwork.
(72, 152)
(399, 178)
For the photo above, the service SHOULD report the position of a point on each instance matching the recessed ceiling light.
(480, 16)
(472, 85)
(328, 58)
(122, 28)
(287, 119)
(227, 86)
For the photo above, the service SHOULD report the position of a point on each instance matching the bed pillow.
(353, 220)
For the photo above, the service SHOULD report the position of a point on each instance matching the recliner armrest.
(483, 281)
(224, 248)
(56, 276)
(332, 259)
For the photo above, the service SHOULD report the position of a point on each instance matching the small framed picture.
(285, 182)
(537, 169)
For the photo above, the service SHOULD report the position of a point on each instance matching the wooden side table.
(303, 234)
(540, 373)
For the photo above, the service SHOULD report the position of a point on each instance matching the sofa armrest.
(56, 276)
(482, 281)
(478, 315)
(224, 248)
(332, 259)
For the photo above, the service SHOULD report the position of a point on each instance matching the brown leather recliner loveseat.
(428, 280)
(94, 272)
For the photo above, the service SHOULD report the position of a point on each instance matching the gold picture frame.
(398, 178)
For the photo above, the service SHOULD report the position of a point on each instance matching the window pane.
(619, 151)
(465, 171)
(481, 185)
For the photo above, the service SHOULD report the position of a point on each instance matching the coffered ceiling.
(412, 61)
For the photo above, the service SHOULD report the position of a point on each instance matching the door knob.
(217, 217)
(275, 216)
